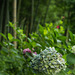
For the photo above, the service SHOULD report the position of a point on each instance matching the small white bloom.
(73, 49)
(58, 41)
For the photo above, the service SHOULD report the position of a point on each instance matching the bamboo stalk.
(1, 17)
(19, 7)
(14, 20)
(35, 15)
(32, 16)
(46, 13)
(7, 17)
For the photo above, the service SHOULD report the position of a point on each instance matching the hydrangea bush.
(49, 61)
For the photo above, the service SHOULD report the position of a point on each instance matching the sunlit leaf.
(10, 37)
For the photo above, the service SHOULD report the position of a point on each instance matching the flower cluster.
(29, 51)
(48, 61)
(26, 50)
(58, 27)
(73, 49)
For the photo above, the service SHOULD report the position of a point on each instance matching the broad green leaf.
(37, 44)
(62, 38)
(10, 37)
(12, 25)
(71, 35)
(33, 44)
(41, 29)
(45, 31)
(64, 56)
(61, 22)
(3, 35)
(15, 40)
(29, 40)
(71, 58)
(69, 72)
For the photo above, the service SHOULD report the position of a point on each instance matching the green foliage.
(49, 36)
(12, 60)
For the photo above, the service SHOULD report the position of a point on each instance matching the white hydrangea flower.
(49, 61)
(73, 49)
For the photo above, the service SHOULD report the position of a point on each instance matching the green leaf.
(61, 73)
(62, 38)
(33, 44)
(1, 44)
(64, 56)
(3, 35)
(69, 72)
(29, 40)
(12, 25)
(71, 35)
(14, 51)
(15, 40)
(41, 29)
(71, 58)
(10, 37)
(4, 50)
(2, 73)
(37, 44)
